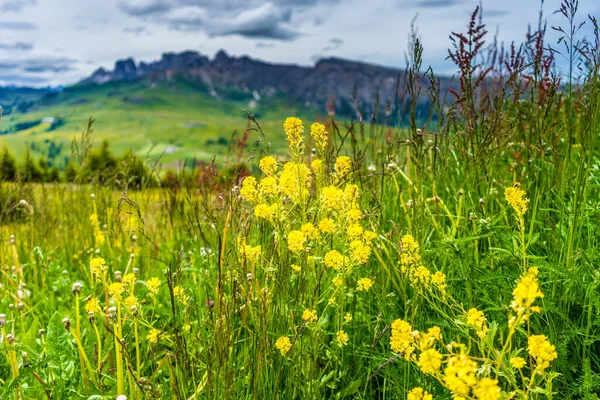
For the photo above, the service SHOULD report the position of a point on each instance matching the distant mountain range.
(187, 106)
(332, 81)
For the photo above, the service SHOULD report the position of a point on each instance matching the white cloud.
(95, 33)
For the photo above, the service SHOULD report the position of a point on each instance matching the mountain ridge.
(332, 82)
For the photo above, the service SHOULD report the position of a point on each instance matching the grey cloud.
(437, 3)
(39, 65)
(16, 5)
(248, 18)
(18, 26)
(333, 44)
(23, 46)
(22, 80)
(136, 31)
(143, 8)
(267, 21)
(264, 45)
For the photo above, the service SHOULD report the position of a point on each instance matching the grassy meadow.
(175, 120)
(455, 256)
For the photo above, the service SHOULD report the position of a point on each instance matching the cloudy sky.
(54, 42)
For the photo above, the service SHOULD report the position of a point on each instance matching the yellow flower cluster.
(342, 167)
(320, 136)
(401, 340)
(526, 291)
(364, 284)
(477, 320)
(309, 315)
(268, 165)
(250, 253)
(98, 267)
(541, 350)
(296, 241)
(419, 275)
(294, 130)
(516, 198)
(283, 344)
(342, 338)
(419, 394)
(153, 285)
(334, 259)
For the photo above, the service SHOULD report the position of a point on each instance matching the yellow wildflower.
(354, 215)
(268, 185)
(294, 181)
(332, 198)
(526, 291)
(116, 289)
(477, 320)
(296, 241)
(317, 165)
(333, 259)
(294, 130)
(516, 198)
(459, 374)
(319, 134)
(251, 253)
(402, 338)
(541, 350)
(430, 361)
(153, 284)
(92, 305)
(129, 278)
(517, 362)
(327, 225)
(179, 292)
(268, 165)
(369, 236)
(283, 344)
(342, 167)
(310, 231)
(487, 389)
(364, 284)
(419, 394)
(348, 317)
(98, 266)
(249, 190)
(342, 338)
(360, 252)
(130, 301)
(309, 315)
(263, 211)
(296, 268)
(153, 336)
(354, 231)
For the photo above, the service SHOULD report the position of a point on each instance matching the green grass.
(148, 119)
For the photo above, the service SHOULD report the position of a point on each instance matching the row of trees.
(99, 166)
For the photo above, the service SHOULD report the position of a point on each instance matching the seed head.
(10, 338)
(67, 323)
(2, 319)
(112, 312)
(76, 288)
(118, 277)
